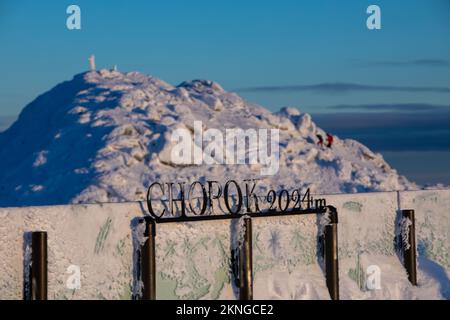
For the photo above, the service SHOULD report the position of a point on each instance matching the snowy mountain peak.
(106, 136)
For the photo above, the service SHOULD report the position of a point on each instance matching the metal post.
(331, 254)
(38, 269)
(148, 261)
(409, 253)
(246, 263)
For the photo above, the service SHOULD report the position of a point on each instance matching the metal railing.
(245, 252)
(38, 274)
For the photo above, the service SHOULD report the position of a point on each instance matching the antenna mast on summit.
(92, 62)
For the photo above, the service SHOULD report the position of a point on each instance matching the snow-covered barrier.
(96, 245)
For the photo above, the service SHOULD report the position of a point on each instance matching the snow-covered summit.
(105, 136)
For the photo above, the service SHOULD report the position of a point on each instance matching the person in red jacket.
(330, 140)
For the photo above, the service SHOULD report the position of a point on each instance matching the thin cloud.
(400, 107)
(380, 120)
(391, 131)
(417, 62)
(342, 87)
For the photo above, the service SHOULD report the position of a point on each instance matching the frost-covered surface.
(432, 224)
(405, 226)
(27, 264)
(285, 259)
(194, 259)
(97, 238)
(367, 236)
(105, 136)
(138, 227)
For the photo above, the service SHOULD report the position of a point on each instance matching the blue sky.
(316, 55)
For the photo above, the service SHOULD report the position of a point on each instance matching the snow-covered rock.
(105, 136)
